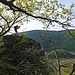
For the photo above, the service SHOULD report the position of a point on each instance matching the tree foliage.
(49, 12)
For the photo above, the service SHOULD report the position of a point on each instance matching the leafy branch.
(6, 27)
(18, 9)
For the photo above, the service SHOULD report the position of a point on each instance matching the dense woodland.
(21, 54)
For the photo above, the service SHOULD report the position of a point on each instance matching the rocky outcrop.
(26, 42)
(19, 55)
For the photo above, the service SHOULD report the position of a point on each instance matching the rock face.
(19, 55)
(10, 41)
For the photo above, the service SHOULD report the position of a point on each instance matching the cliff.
(19, 55)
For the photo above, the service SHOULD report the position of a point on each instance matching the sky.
(36, 25)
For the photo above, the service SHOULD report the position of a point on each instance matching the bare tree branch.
(58, 69)
(54, 67)
(4, 18)
(57, 56)
(9, 24)
(1, 29)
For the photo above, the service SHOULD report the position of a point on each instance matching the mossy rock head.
(10, 40)
(29, 43)
(24, 42)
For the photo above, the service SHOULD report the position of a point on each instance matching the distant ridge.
(60, 39)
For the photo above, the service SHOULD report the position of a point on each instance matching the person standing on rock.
(15, 28)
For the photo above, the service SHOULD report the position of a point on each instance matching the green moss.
(67, 70)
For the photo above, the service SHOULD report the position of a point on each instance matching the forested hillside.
(60, 39)
(20, 55)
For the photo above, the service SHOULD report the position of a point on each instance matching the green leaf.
(55, 0)
(1, 9)
(69, 12)
(42, 14)
(72, 5)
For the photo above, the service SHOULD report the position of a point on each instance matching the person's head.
(17, 25)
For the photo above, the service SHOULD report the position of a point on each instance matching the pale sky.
(36, 25)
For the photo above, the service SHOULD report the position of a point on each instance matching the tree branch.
(13, 7)
(3, 30)
(57, 56)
